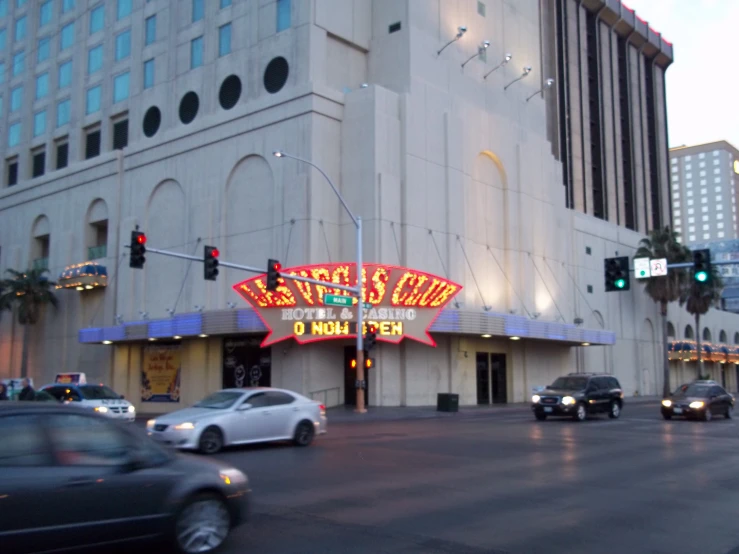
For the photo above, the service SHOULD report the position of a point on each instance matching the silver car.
(241, 416)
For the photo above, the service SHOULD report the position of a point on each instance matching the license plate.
(548, 410)
(678, 410)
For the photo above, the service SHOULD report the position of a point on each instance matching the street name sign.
(337, 300)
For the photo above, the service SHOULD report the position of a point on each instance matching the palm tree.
(664, 244)
(698, 299)
(28, 292)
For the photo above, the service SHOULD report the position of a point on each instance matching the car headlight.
(568, 400)
(667, 403)
(150, 424)
(232, 476)
(535, 399)
(131, 409)
(697, 404)
(185, 426)
(101, 409)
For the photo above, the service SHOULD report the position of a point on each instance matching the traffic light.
(273, 273)
(617, 274)
(138, 249)
(370, 339)
(210, 263)
(702, 265)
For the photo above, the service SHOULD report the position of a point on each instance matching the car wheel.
(729, 412)
(540, 417)
(707, 415)
(667, 416)
(211, 441)
(202, 524)
(615, 410)
(580, 413)
(304, 433)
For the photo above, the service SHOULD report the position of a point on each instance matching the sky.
(702, 82)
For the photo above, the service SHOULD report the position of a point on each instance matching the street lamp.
(358, 291)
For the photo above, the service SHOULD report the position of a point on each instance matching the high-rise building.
(704, 179)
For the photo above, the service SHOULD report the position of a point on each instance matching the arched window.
(706, 334)
(689, 332)
(722, 336)
(40, 243)
(670, 330)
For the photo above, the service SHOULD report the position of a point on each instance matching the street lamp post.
(360, 384)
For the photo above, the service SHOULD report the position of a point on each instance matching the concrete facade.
(451, 174)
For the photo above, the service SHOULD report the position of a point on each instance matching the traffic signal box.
(702, 266)
(210, 263)
(617, 274)
(137, 257)
(273, 274)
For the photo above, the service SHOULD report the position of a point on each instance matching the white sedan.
(241, 416)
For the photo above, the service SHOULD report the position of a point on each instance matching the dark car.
(578, 394)
(699, 400)
(70, 479)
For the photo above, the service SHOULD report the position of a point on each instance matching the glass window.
(687, 158)
(20, 28)
(225, 3)
(715, 152)
(67, 37)
(44, 49)
(97, 19)
(283, 15)
(93, 99)
(258, 400)
(19, 63)
(3, 8)
(2, 73)
(691, 229)
(704, 200)
(720, 234)
(688, 167)
(39, 123)
(716, 162)
(702, 164)
(120, 87)
(673, 161)
(224, 39)
(14, 135)
(701, 155)
(703, 181)
(24, 443)
(692, 238)
(63, 112)
(706, 236)
(674, 169)
(706, 227)
(676, 204)
(123, 45)
(280, 398)
(690, 202)
(222, 400)
(720, 225)
(717, 171)
(3, 38)
(151, 29)
(704, 191)
(148, 73)
(67, 5)
(688, 175)
(677, 213)
(704, 209)
(691, 220)
(124, 8)
(198, 10)
(678, 221)
(719, 198)
(87, 441)
(689, 184)
(690, 193)
(65, 74)
(16, 99)
(42, 85)
(719, 216)
(196, 52)
(95, 59)
(717, 179)
(45, 13)
(719, 207)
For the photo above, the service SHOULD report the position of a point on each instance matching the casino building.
(493, 169)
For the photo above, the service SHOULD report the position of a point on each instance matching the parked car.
(71, 479)
(578, 394)
(241, 416)
(98, 398)
(699, 400)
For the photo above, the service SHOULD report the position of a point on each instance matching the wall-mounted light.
(231, 305)
(480, 50)
(203, 336)
(486, 336)
(549, 83)
(119, 319)
(199, 308)
(107, 342)
(363, 85)
(535, 315)
(515, 338)
(170, 311)
(144, 315)
(461, 30)
(526, 71)
(585, 344)
(177, 337)
(508, 57)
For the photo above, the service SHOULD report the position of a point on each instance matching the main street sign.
(399, 302)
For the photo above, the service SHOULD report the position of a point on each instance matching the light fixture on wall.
(535, 315)
(170, 311)
(461, 30)
(480, 51)
(526, 71)
(119, 319)
(547, 85)
(363, 85)
(508, 57)
(144, 315)
(231, 305)
(199, 308)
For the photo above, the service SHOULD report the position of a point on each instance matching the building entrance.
(350, 378)
(245, 364)
(492, 380)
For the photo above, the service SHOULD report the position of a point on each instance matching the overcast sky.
(702, 83)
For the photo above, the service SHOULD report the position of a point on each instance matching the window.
(720, 234)
(123, 45)
(704, 209)
(688, 167)
(692, 238)
(706, 227)
(688, 175)
(678, 221)
(706, 236)
(3, 38)
(63, 112)
(196, 52)
(19, 63)
(690, 202)
(702, 173)
(20, 28)
(14, 135)
(120, 134)
(720, 225)
(65, 74)
(719, 207)
(689, 184)
(87, 441)
(66, 40)
(93, 100)
(225, 3)
(44, 49)
(97, 19)
(716, 153)
(716, 162)
(717, 179)
(258, 400)
(687, 158)
(16, 99)
(703, 182)
(120, 87)
(719, 216)
(673, 161)
(677, 213)
(691, 220)
(704, 218)
(702, 164)
(689, 193)
(45, 13)
(280, 398)
(13, 172)
(62, 155)
(198, 11)
(224, 39)
(24, 443)
(675, 179)
(701, 156)
(39, 123)
(148, 74)
(676, 188)
(691, 229)
(717, 171)
(283, 15)
(95, 59)
(124, 8)
(674, 169)
(39, 163)
(719, 198)
(481, 9)
(704, 191)
(92, 144)
(42, 85)
(151, 30)
(67, 5)
(676, 204)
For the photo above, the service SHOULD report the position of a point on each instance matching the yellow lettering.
(316, 328)
(396, 328)
(299, 328)
(385, 328)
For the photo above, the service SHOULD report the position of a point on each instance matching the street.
(498, 483)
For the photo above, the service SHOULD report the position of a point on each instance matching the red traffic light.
(141, 239)
(277, 266)
(372, 329)
(214, 253)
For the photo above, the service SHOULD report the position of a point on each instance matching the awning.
(84, 276)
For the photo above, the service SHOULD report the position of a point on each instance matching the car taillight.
(322, 408)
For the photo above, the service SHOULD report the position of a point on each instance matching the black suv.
(579, 394)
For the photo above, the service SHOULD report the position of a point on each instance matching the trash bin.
(447, 402)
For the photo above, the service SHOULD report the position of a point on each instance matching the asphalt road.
(500, 483)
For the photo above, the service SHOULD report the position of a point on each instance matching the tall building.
(704, 180)
(489, 195)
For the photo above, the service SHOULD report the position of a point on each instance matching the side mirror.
(123, 397)
(245, 406)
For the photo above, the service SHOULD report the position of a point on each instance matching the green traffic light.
(701, 276)
(620, 283)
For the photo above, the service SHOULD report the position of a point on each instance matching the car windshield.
(569, 383)
(701, 391)
(101, 392)
(219, 400)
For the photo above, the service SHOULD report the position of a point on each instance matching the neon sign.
(400, 302)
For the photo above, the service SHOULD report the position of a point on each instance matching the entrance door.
(350, 378)
(492, 381)
(499, 378)
(483, 378)
(245, 364)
